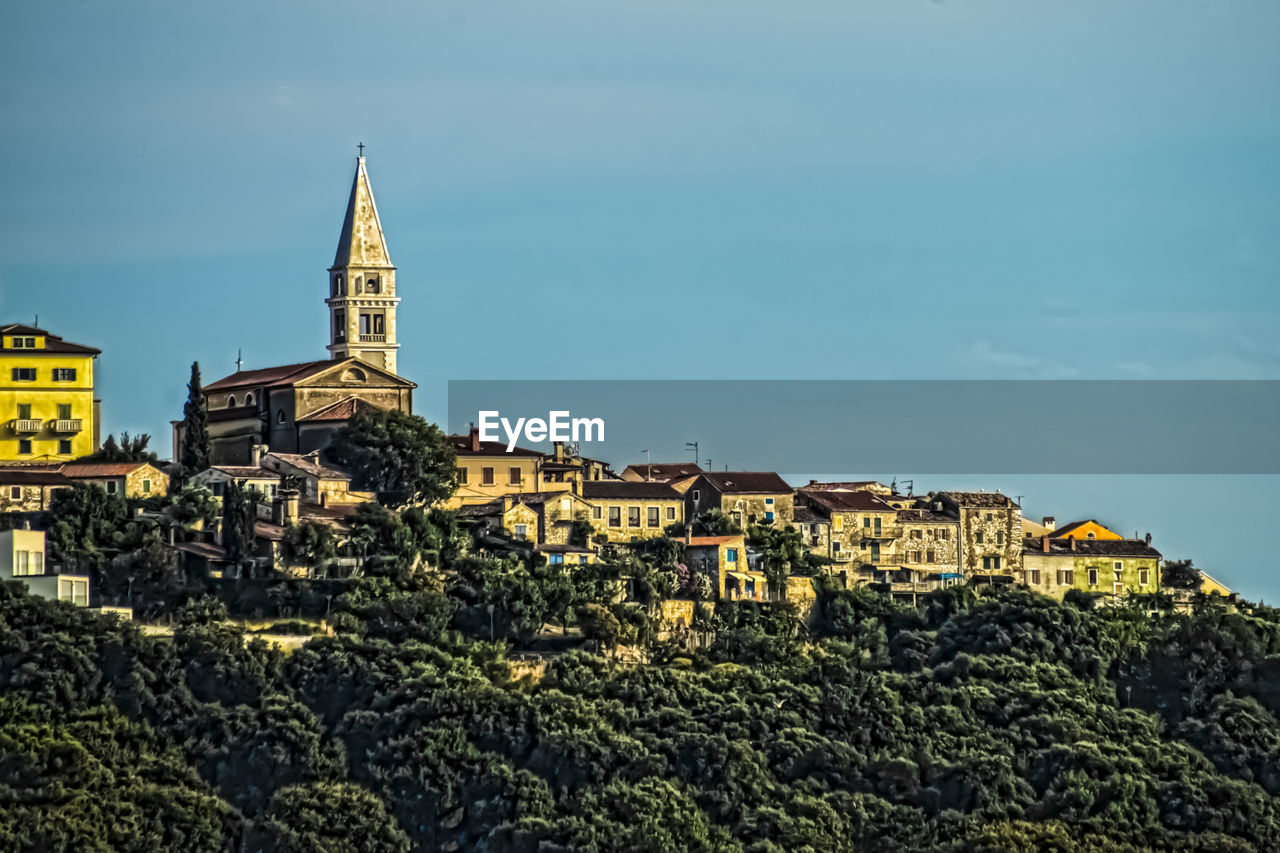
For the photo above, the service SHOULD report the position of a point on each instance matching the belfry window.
(339, 285)
(280, 416)
(372, 285)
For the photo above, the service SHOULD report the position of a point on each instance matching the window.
(866, 521)
(991, 564)
(1093, 577)
(977, 537)
(1033, 577)
(1066, 577)
(731, 555)
(64, 411)
(655, 518)
(24, 411)
(24, 343)
(835, 547)
(1117, 565)
(930, 556)
(990, 516)
(24, 447)
(917, 534)
(522, 530)
(768, 501)
(768, 516)
(146, 487)
(280, 418)
(462, 476)
(1116, 576)
(231, 401)
(372, 285)
(566, 506)
(696, 496)
(24, 374)
(633, 516)
(77, 592)
(22, 562)
(837, 523)
(486, 476)
(248, 399)
(64, 447)
(513, 476)
(339, 325)
(1090, 535)
(999, 537)
(615, 516)
(1144, 577)
(671, 513)
(555, 559)
(64, 374)
(875, 552)
(944, 534)
(15, 492)
(913, 556)
(597, 512)
(112, 487)
(339, 285)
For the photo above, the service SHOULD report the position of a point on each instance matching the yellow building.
(624, 511)
(1088, 529)
(47, 409)
(1055, 566)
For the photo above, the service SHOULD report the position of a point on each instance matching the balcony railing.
(66, 425)
(373, 339)
(890, 532)
(25, 425)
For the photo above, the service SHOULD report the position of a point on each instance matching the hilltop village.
(258, 493)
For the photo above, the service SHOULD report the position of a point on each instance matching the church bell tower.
(362, 283)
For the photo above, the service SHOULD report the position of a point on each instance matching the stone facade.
(990, 533)
(1054, 567)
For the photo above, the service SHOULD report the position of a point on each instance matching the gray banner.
(939, 426)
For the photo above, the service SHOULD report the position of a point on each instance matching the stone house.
(746, 497)
(990, 526)
(862, 528)
(623, 511)
(723, 559)
(129, 479)
(1054, 566)
(30, 488)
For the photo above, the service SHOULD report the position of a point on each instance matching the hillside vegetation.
(978, 722)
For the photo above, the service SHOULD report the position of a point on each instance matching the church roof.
(362, 242)
(343, 410)
(266, 376)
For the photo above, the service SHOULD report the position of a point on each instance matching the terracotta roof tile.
(267, 376)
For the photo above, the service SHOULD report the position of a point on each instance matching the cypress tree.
(195, 435)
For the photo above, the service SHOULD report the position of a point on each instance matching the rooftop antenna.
(709, 468)
(694, 445)
(1019, 497)
(37, 322)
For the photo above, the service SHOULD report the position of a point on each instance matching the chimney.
(475, 439)
(559, 450)
(1148, 538)
(284, 509)
(1072, 539)
(256, 452)
(1049, 523)
(1044, 543)
(506, 504)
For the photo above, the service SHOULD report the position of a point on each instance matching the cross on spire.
(239, 360)
(360, 148)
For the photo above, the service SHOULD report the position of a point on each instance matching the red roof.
(101, 469)
(270, 375)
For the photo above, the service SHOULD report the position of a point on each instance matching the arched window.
(372, 285)
(354, 374)
(280, 416)
(339, 285)
(248, 399)
(231, 401)
(1091, 535)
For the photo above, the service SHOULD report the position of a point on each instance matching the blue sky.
(823, 190)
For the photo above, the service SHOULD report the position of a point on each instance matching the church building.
(296, 408)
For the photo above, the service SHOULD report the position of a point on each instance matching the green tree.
(401, 457)
(310, 543)
(782, 551)
(1180, 574)
(335, 817)
(194, 456)
(130, 448)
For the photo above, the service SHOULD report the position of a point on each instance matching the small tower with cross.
(362, 282)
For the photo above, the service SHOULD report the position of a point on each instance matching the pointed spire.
(362, 242)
